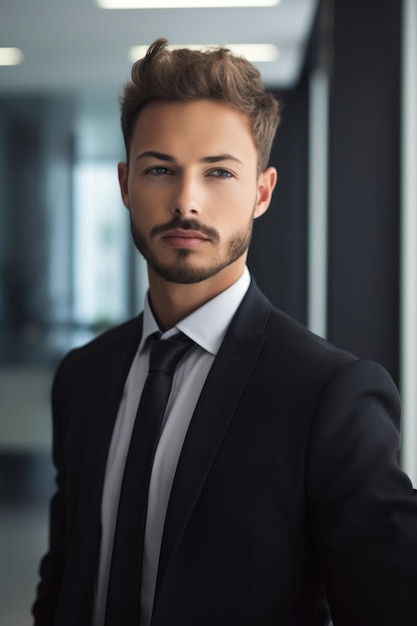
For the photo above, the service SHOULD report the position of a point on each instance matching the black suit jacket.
(287, 485)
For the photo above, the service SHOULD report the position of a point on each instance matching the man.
(275, 491)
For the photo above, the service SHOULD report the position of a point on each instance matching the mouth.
(179, 238)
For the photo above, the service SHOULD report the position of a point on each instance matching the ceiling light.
(10, 56)
(253, 52)
(184, 4)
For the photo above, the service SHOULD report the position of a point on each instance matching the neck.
(172, 302)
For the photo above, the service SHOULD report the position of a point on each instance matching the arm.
(53, 563)
(363, 507)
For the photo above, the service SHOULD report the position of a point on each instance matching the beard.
(182, 270)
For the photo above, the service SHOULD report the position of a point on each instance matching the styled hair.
(186, 75)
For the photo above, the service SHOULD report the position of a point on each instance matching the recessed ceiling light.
(184, 4)
(253, 52)
(10, 56)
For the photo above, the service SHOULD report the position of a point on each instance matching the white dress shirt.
(206, 327)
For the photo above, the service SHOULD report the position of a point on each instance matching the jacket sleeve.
(53, 563)
(363, 507)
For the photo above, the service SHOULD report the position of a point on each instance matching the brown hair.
(187, 75)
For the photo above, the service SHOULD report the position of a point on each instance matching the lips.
(179, 238)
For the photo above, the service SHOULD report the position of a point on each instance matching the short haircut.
(185, 75)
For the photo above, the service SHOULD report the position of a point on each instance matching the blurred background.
(337, 250)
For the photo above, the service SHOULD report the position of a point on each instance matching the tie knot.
(166, 353)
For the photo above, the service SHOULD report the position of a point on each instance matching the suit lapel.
(216, 406)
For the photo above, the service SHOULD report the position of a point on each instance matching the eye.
(220, 173)
(159, 170)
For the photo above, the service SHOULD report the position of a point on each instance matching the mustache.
(186, 224)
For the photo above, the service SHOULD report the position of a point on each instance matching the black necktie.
(123, 596)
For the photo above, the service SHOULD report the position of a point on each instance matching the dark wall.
(277, 257)
(364, 180)
(359, 42)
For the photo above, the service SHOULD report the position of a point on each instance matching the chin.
(184, 275)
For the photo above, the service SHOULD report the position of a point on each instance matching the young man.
(275, 491)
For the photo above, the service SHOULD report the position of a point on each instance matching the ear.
(123, 170)
(266, 183)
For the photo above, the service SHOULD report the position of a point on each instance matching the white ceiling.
(73, 45)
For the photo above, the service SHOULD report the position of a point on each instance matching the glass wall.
(66, 273)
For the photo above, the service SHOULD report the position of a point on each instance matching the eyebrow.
(155, 155)
(161, 156)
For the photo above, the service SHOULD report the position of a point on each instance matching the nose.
(187, 198)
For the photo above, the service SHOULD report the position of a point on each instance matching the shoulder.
(345, 380)
(287, 340)
(298, 354)
(296, 340)
(106, 347)
(258, 316)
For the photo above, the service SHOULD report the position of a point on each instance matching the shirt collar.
(207, 325)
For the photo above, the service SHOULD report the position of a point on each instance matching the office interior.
(337, 249)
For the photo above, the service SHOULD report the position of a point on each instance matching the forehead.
(201, 126)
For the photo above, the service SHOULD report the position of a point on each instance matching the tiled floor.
(23, 537)
(26, 483)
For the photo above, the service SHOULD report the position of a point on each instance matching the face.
(192, 190)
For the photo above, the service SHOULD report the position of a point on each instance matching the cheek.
(232, 196)
(240, 202)
(141, 199)
(140, 212)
